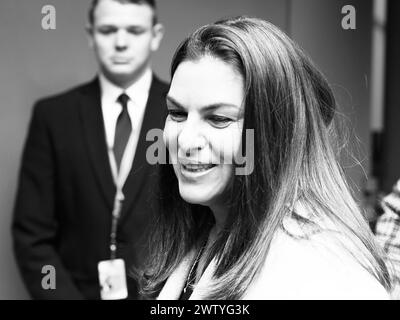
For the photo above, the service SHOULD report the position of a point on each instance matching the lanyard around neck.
(119, 181)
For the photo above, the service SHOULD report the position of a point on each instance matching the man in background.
(85, 197)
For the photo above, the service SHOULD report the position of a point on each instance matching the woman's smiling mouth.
(199, 167)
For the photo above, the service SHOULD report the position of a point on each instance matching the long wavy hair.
(291, 108)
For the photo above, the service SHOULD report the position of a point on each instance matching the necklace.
(190, 276)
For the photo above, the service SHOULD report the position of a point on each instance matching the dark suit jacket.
(62, 214)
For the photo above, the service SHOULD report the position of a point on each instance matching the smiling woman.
(288, 230)
(203, 130)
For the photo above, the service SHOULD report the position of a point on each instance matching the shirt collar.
(138, 91)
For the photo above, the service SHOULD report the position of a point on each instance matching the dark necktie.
(122, 130)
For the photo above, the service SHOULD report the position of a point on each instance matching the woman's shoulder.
(314, 267)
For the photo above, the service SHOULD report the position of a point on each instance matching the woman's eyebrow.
(218, 105)
(209, 107)
(174, 102)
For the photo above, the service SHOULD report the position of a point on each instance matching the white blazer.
(314, 268)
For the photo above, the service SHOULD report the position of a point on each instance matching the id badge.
(112, 277)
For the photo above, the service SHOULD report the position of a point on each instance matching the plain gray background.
(36, 62)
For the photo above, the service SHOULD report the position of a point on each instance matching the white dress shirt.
(138, 95)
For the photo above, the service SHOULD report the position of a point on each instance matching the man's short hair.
(151, 3)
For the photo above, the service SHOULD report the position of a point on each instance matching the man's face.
(123, 37)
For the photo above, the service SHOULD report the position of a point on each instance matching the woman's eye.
(219, 121)
(176, 115)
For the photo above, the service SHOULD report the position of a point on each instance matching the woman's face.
(203, 129)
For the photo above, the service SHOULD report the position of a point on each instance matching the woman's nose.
(191, 139)
(192, 151)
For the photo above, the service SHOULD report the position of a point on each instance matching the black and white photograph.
(159, 150)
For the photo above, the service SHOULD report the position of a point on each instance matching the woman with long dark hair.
(282, 224)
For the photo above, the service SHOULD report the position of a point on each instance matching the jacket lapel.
(154, 117)
(94, 134)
